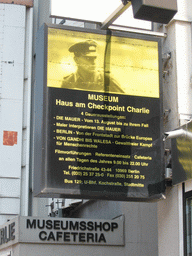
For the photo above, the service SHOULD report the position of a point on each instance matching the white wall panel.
(184, 10)
(183, 49)
(11, 114)
(26, 112)
(13, 48)
(9, 206)
(5, 218)
(1, 45)
(14, 15)
(10, 157)
(12, 85)
(12, 61)
(9, 187)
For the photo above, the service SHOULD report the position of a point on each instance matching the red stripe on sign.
(28, 3)
(9, 138)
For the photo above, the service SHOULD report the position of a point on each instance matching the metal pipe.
(115, 15)
(177, 133)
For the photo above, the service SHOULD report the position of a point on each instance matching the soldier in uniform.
(87, 77)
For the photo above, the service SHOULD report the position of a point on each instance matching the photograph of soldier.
(88, 76)
(102, 63)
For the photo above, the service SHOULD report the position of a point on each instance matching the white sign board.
(62, 231)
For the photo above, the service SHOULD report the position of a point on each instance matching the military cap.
(87, 48)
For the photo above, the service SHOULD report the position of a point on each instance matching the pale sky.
(98, 10)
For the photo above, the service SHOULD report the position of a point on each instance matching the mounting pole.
(115, 15)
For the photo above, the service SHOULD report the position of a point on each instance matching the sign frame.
(63, 231)
(41, 187)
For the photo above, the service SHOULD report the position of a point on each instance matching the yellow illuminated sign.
(130, 64)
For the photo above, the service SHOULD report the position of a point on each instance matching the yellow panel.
(133, 63)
